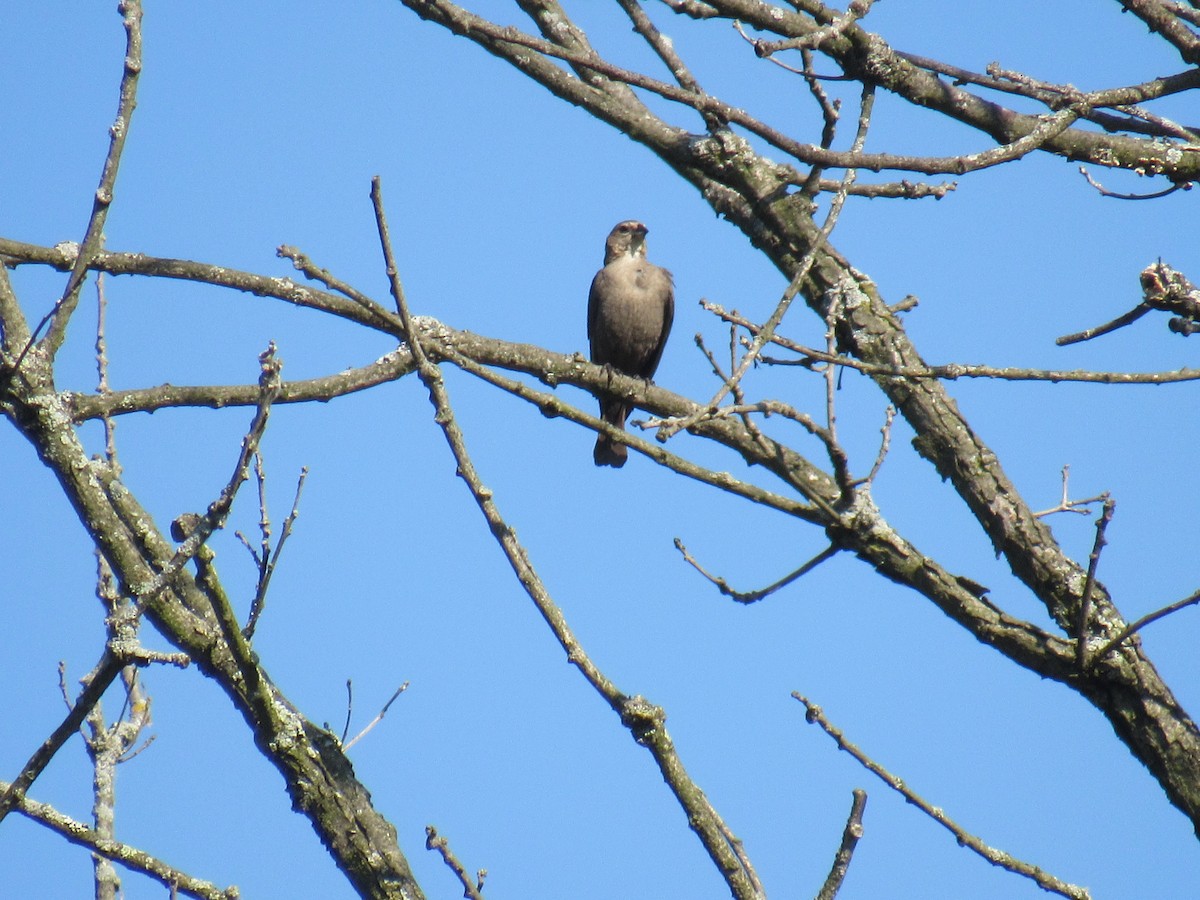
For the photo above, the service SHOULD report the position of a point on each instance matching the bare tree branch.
(646, 722)
(95, 684)
(133, 859)
(850, 837)
(375, 721)
(751, 192)
(434, 841)
(867, 56)
(951, 371)
(1134, 627)
(318, 775)
(1043, 879)
(1164, 20)
(773, 204)
(1085, 607)
(131, 12)
(754, 596)
(267, 559)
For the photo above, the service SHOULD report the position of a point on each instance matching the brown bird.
(630, 309)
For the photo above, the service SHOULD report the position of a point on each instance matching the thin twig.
(850, 837)
(952, 371)
(829, 377)
(267, 570)
(59, 316)
(349, 710)
(1117, 195)
(885, 442)
(830, 115)
(753, 596)
(1044, 880)
(102, 386)
(95, 684)
(434, 841)
(1119, 322)
(327, 278)
(132, 858)
(389, 367)
(766, 408)
(739, 407)
(346, 745)
(1089, 584)
(1143, 622)
(218, 511)
(1065, 504)
(264, 516)
(811, 41)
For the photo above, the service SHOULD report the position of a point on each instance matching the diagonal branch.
(317, 773)
(850, 837)
(646, 722)
(131, 857)
(105, 672)
(1163, 20)
(1043, 879)
(131, 11)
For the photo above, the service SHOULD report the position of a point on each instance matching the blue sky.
(262, 124)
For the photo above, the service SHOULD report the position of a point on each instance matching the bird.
(630, 309)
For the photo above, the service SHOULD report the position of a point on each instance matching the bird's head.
(626, 239)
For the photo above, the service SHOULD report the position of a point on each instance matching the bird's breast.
(632, 299)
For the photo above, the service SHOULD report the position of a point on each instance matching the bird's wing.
(668, 320)
(594, 295)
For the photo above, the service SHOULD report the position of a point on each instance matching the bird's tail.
(607, 452)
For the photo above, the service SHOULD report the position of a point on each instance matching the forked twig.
(267, 559)
(748, 597)
(1065, 504)
(200, 528)
(346, 745)
(885, 443)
